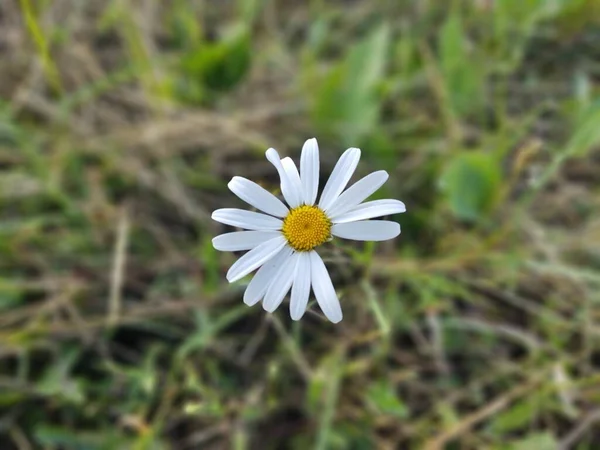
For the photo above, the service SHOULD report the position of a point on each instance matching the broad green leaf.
(249, 9)
(10, 294)
(472, 184)
(366, 61)
(65, 438)
(535, 441)
(587, 132)
(462, 72)
(585, 137)
(345, 102)
(514, 21)
(315, 391)
(406, 53)
(58, 382)
(317, 33)
(519, 11)
(518, 416)
(211, 67)
(384, 398)
(185, 27)
(512, 15)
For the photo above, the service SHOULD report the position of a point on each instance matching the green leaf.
(472, 184)
(318, 32)
(366, 61)
(210, 259)
(514, 21)
(184, 25)
(208, 328)
(315, 391)
(345, 101)
(519, 416)
(384, 398)
(57, 381)
(11, 294)
(463, 74)
(406, 54)
(215, 66)
(66, 438)
(249, 9)
(519, 12)
(536, 441)
(587, 132)
(332, 369)
(585, 137)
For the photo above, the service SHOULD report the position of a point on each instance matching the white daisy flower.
(282, 241)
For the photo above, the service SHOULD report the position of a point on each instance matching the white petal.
(255, 258)
(281, 284)
(341, 174)
(309, 171)
(367, 230)
(264, 277)
(292, 172)
(257, 196)
(249, 220)
(356, 193)
(368, 210)
(242, 240)
(291, 193)
(301, 287)
(323, 289)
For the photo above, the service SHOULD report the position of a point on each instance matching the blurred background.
(121, 122)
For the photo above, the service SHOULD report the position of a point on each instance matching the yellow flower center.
(306, 227)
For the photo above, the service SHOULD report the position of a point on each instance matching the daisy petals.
(356, 193)
(309, 171)
(257, 196)
(367, 230)
(341, 174)
(294, 177)
(249, 220)
(290, 188)
(242, 240)
(263, 278)
(282, 282)
(301, 287)
(323, 289)
(368, 210)
(255, 258)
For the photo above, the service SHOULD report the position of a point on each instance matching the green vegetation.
(122, 121)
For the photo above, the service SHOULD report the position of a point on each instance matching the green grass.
(122, 122)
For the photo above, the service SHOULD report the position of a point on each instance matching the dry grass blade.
(118, 271)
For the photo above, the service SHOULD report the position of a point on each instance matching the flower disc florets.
(306, 227)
